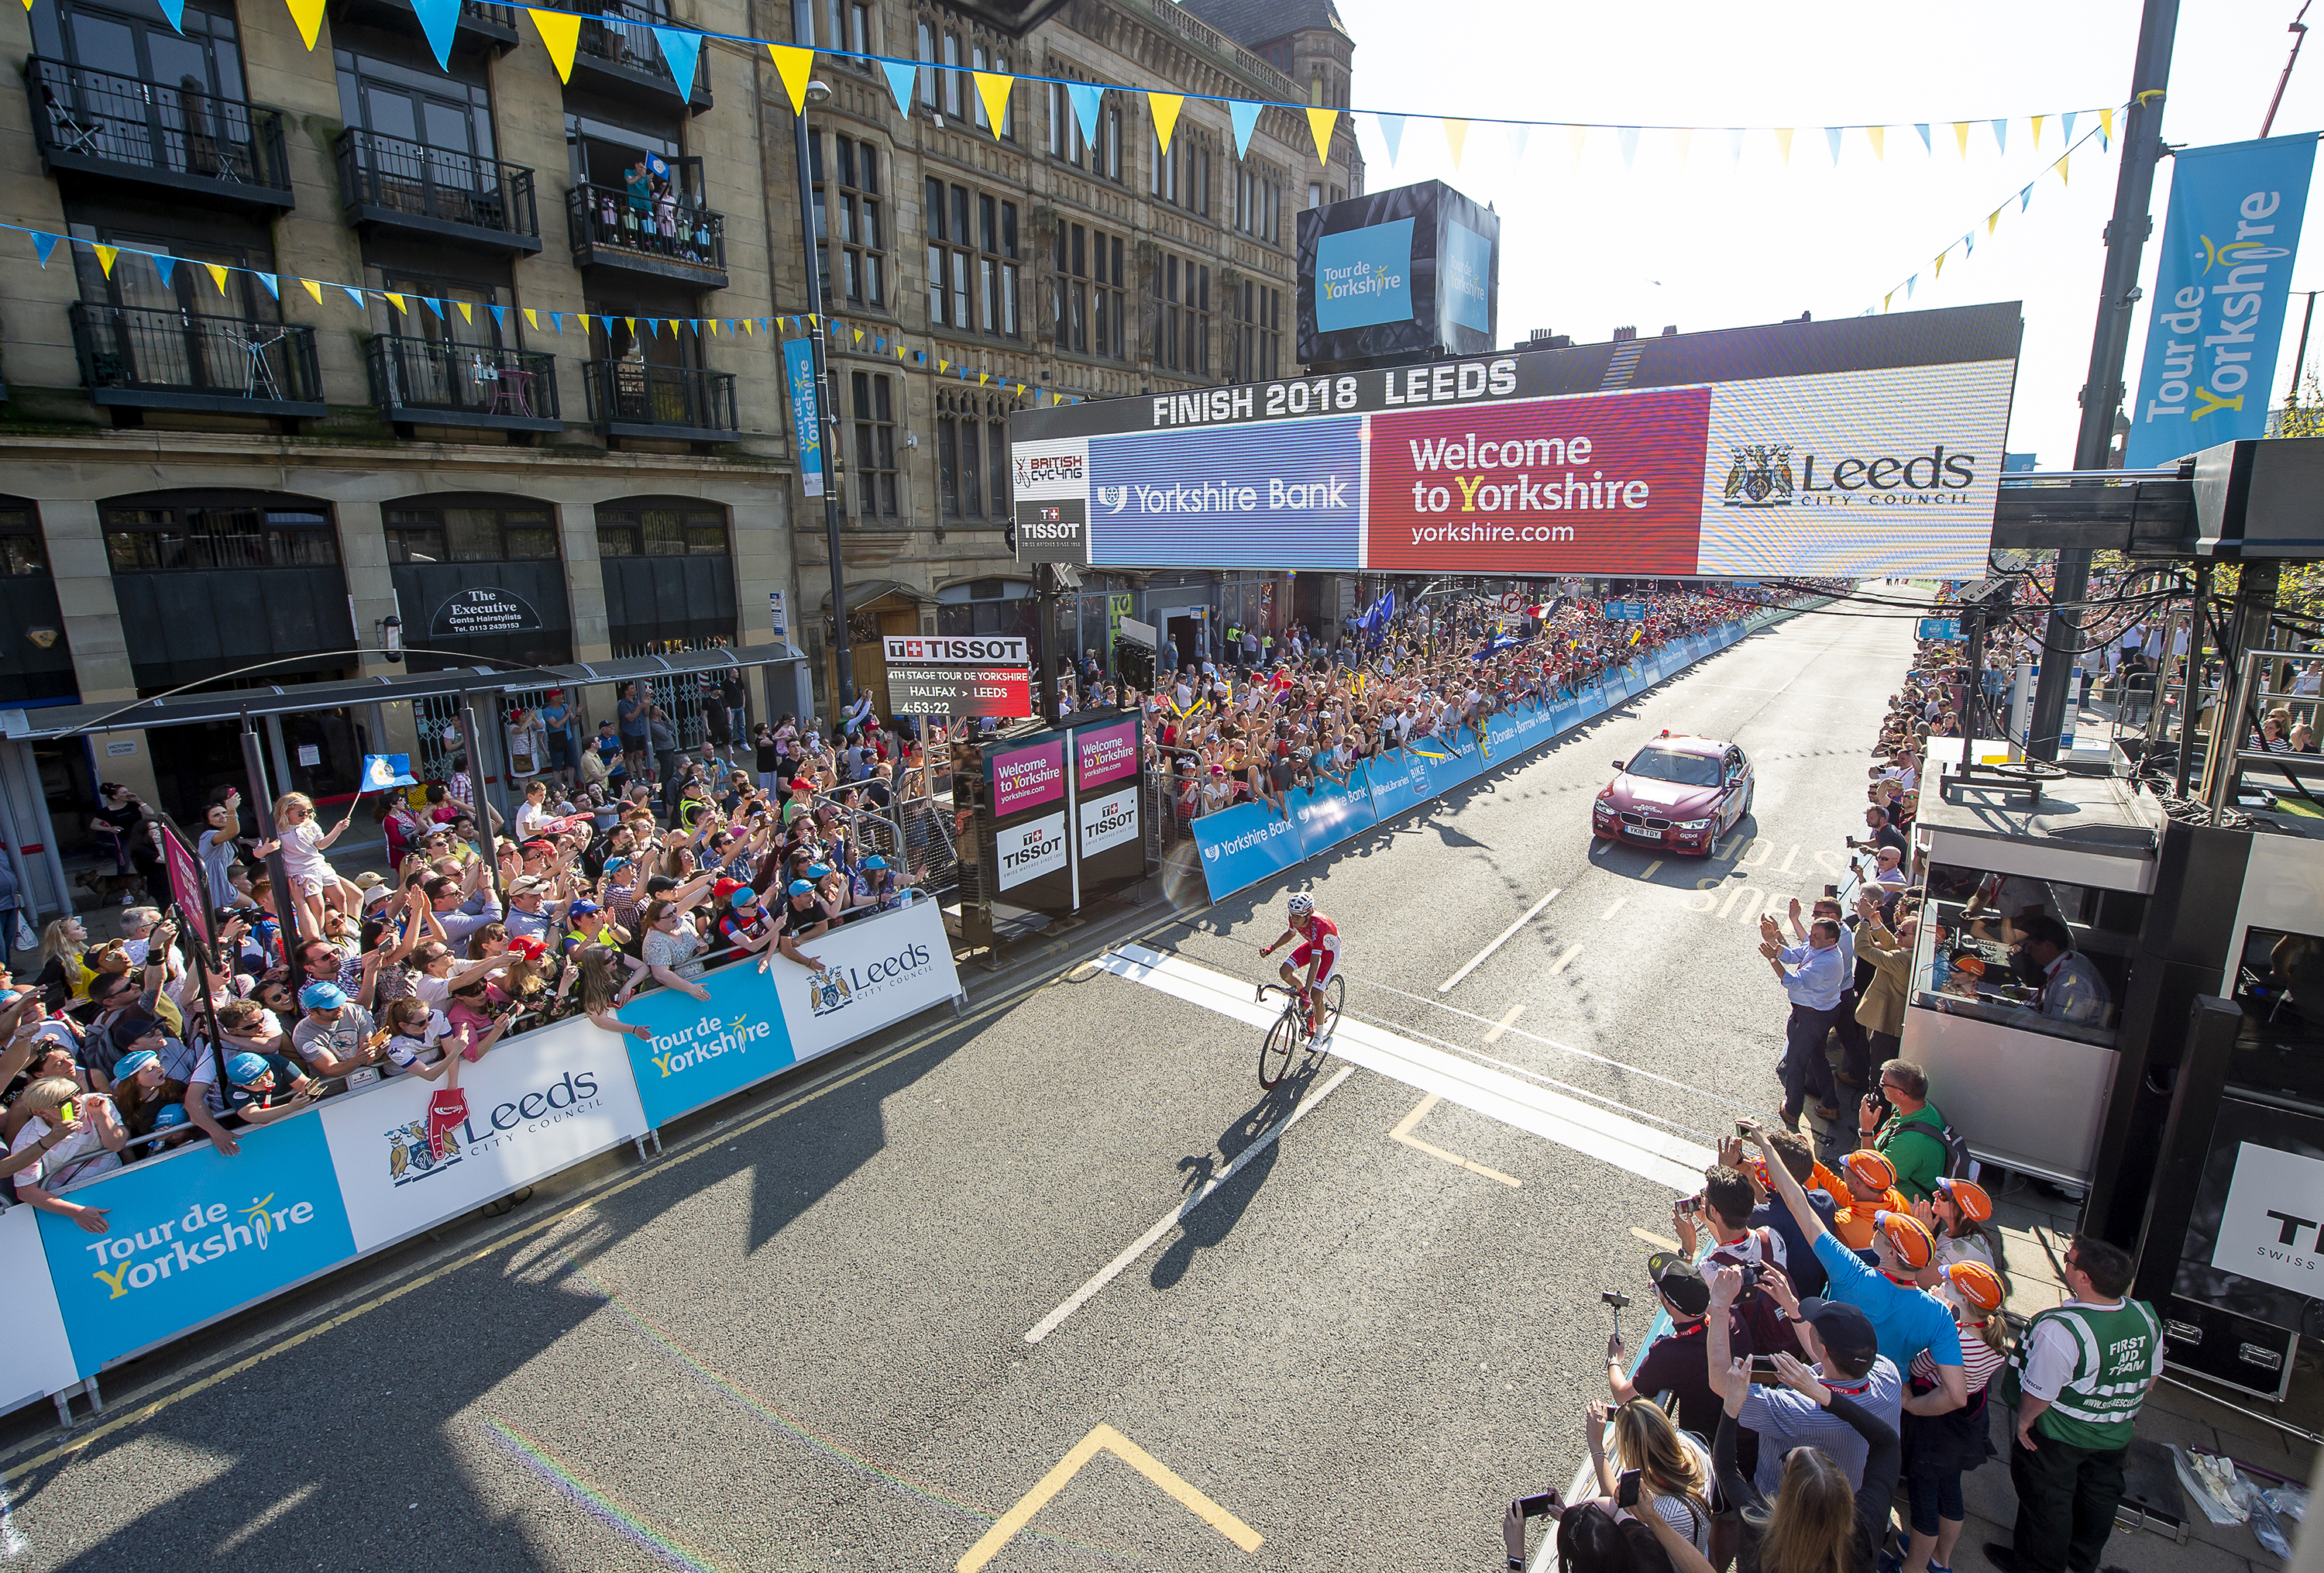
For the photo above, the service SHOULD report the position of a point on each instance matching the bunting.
(306, 13)
(796, 67)
(1166, 107)
(1456, 137)
(560, 34)
(993, 90)
(900, 76)
(1322, 123)
(681, 49)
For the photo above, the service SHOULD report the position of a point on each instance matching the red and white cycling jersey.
(1322, 940)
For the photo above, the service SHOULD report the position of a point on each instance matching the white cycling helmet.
(1302, 906)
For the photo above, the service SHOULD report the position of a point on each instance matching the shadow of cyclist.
(1215, 1219)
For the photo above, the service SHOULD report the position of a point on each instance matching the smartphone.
(1625, 1489)
(1535, 1506)
(1690, 1206)
(65, 1112)
(1743, 1128)
(1832, 891)
(1763, 1371)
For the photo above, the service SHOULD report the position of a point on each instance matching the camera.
(1690, 1206)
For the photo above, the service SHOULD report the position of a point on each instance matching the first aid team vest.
(2114, 1360)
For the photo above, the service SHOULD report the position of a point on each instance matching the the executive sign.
(1030, 850)
(470, 612)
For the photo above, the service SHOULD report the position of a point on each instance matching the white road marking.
(1608, 915)
(1171, 1220)
(1626, 1143)
(1559, 964)
(1493, 1034)
(1477, 959)
(12, 1544)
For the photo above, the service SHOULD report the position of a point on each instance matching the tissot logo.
(1034, 850)
(1760, 474)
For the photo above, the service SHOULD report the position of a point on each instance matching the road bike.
(1289, 1038)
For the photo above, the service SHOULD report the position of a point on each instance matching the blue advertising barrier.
(1400, 781)
(191, 1239)
(701, 1051)
(1330, 814)
(1244, 844)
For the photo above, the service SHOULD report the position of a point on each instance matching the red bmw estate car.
(1677, 793)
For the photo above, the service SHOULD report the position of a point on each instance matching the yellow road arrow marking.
(1104, 1439)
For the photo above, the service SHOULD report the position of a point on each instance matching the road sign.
(1626, 611)
(1941, 628)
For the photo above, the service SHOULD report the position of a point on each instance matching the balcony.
(492, 25)
(133, 358)
(428, 382)
(674, 241)
(619, 57)
(386, 183)
(628, 398)
(94, 123)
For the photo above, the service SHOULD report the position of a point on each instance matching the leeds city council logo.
(1760, 477)
(827, 992)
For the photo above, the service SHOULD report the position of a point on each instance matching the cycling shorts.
(1328, 947)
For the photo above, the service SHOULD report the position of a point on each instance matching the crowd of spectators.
(601, 886)
(1836, 1346)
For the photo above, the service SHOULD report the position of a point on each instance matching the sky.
(1688, 232)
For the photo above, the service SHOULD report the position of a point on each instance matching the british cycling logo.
(127, 1262)
(409, 1159)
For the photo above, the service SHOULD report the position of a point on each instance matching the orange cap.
(1969, 1195)
(1974, 1283)
(1908, 1237)
(1869, 1169)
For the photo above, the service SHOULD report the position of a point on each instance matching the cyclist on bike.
(1319, 952)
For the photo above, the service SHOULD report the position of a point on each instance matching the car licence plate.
(1645, 835)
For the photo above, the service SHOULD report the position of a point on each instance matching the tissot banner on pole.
(2229, 238)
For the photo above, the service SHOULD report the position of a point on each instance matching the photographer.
(1843, 1357)
(1677, 1363)
(1664, 1471)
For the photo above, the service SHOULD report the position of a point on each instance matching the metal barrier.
(469, 379)
(679, 230)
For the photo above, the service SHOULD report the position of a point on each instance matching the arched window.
(160, 532)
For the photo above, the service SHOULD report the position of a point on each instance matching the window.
(835, 25)
(855, 211)
(671, 529)
(973, 259)
(1315, 194)
(876, 446)
(1257, 202)
(1182, 177)
(952, 74)
(924, 51)
(22, 553)
(1255, 341)
(1065, 139)
(1983, 950)
(1105, 159)
(1183, 339)
(219, 535)
(971, 457)
(510, 533)
(1091, 308)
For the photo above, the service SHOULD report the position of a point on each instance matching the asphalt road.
(801, 1339)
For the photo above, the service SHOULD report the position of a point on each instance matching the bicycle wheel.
(1282, 1042)
(1335, 995)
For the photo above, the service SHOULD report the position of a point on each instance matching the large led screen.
(1871, 447)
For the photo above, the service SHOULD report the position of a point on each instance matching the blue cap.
(129, 1065)
(801, 887)
(583, 909)
(614, 863)
(875, 861)
(743, 897)
(322, 996)
(818, 870)
(168, 1115)
(245, 1068)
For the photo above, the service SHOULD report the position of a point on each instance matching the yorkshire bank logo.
(1249, 839)
(127, 1262)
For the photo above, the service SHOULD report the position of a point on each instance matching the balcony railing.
(97, 123)
(618, 45)
(666, 237)
(432, 381)
(167, 360)
(390, 183)
(630, 398)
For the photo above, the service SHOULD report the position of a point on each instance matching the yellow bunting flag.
(1456, 136)
(1991, 219)
(2061, 168)
(859, 335)
(673, 325)
(218, 276)
(313, 290)
(1166, 107)
(795, 65)
(467, 312)
(750, 326)
(2038, 119)
(944, 365)
(396, 301)
(982, 378)
(714, 327)
(308, 15)
(1885, 299)
(992, 92)
(1783, 143)
(2105, 123)
(1685, 142)
(533, 317)
(1322, 122)
(561, 32)
(1961, 136)
(1575, 137)
(1879, 137)
(105, 255)
(1941, 262)
(633, 325)
(583, 319)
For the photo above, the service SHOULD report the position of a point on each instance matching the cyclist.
(1319, 952)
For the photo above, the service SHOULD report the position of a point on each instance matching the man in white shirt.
(2072, 989)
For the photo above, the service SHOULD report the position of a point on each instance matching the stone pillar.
(100, 651)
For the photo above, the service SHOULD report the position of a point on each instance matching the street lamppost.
(826, 406)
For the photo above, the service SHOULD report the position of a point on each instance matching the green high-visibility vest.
(2116, 1353)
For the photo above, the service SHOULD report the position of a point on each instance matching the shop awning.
(186, 710)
